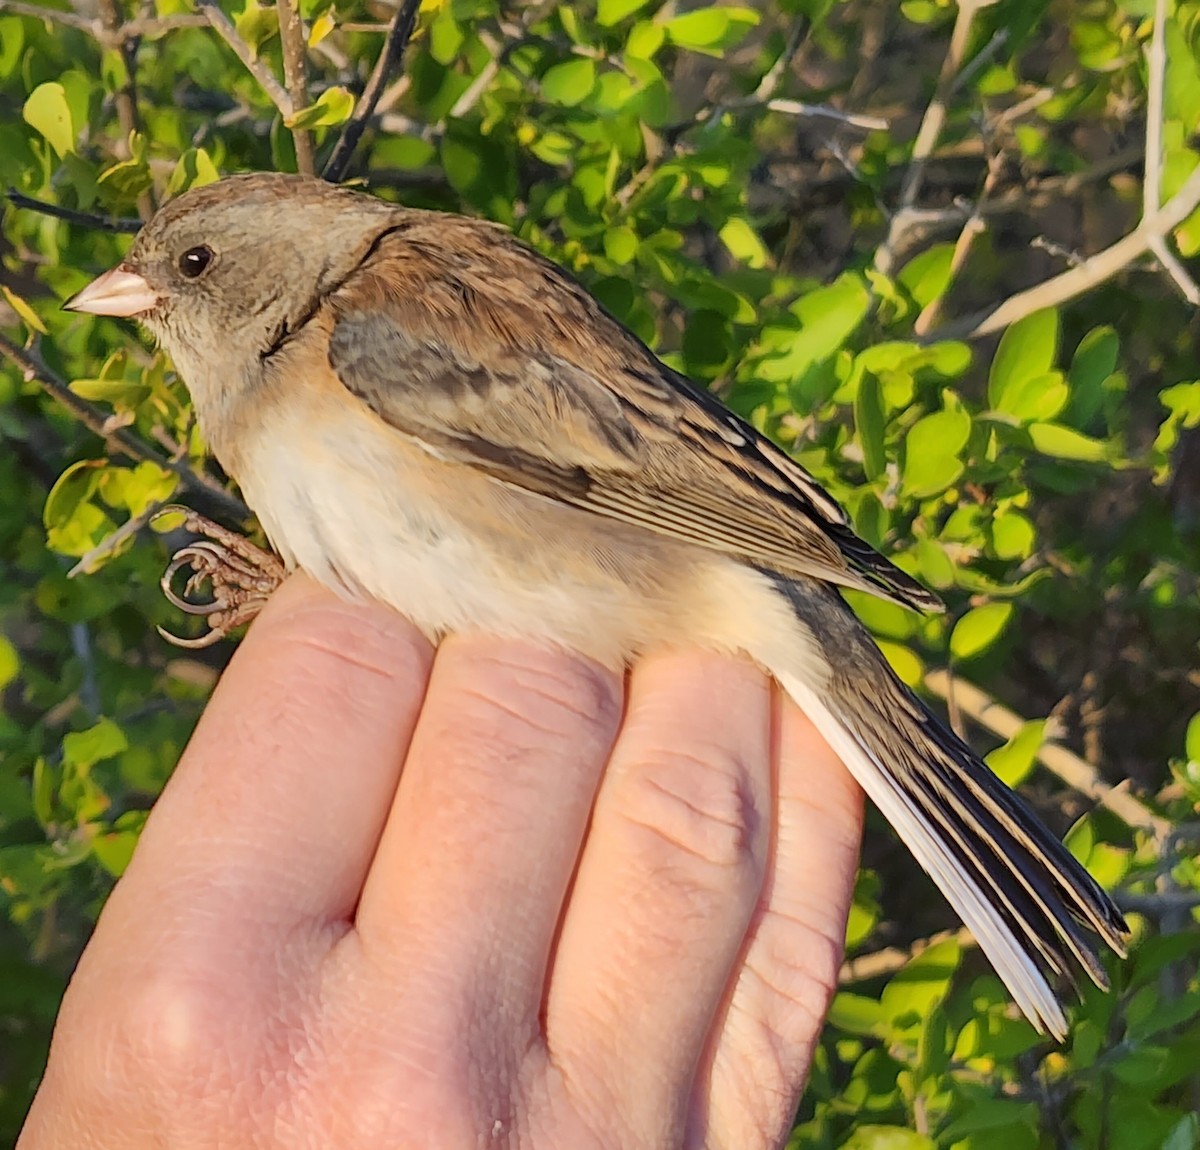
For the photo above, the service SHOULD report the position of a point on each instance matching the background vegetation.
(940, 252)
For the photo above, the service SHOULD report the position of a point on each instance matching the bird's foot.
(240, 577)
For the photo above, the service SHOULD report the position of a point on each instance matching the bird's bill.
(119, 292)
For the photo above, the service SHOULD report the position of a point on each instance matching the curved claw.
(240, 577)
(179, 561)
(196, 644)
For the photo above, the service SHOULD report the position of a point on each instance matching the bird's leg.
(240, 576)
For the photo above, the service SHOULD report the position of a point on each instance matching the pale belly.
(453, 550)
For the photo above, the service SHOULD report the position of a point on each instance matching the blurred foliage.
(729, 181)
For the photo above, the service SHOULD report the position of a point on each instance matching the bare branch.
(83, 219)
(151, 27)
(928, 133)
(865, 967)
(54, 16)
(291, 35)
(1156, 67)
(1068, 766)
(1087, 275)
(824, 111)
(224, 28)
(126, 97)
(972, 229)
(399, 32)
(118, 438)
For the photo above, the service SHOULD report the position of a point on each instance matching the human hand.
(393, 901)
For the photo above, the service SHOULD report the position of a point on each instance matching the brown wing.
(463, 339)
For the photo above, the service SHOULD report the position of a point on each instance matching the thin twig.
(148, 26)
(825, 112)
(971, 231)
(1068, 766)
(482, 81)
(399, 32)
(109, 544)
(224, 28)
(126, 96)
(83, 219)
(291, 36)
(928, 133)
(1093, 271)
(865, 967)
(117, 438)
(1156, 67)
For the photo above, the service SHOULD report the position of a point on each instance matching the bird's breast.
(368, 512)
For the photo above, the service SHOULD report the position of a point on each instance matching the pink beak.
(119, 292)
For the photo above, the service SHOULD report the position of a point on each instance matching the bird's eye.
(193, 262)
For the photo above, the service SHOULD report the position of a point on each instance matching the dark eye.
(193, 262)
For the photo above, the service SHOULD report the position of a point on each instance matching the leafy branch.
(118, 438)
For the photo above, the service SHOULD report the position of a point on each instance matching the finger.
(468, 884)
(274, 811)
(669, 877)
(763, 1042)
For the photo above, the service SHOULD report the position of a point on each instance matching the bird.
(423, 410)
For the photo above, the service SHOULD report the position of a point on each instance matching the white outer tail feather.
(1028, 986)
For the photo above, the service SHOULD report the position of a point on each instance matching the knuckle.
(701, 806)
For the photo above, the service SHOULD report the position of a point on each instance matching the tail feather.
(1032, 907)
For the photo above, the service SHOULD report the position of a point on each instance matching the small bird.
(423, 410)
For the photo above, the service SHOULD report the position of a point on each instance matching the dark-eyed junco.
(421, 409)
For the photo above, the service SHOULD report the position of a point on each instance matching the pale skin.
(492, 898)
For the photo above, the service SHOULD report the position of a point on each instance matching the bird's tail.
(1032, 907)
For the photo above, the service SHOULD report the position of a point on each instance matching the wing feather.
(489, 355)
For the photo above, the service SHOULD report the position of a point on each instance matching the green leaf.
(569, 83)
(869, 422)
(72, 487)
(194, 169)
(333, 107)
(645, 39)
(1066, 443)
(855, 1014)
(610, 12)
(10, 662)
(1027, 350)
(621, 244)
(922, 982)
(138, 487)
(1013, 761)
(744, 243)
(1191, 742)
(978, 629)
(83, 749)
(1095, 359)
(256, 24)
(122, 394)
(886, 1138)
(828, 317)
(47, 111)
(904, 661)
(927, 275)
(1034, 397)
(25, 313)
(711, 30)
(320, 28)
(931, 452)
(1013, 535)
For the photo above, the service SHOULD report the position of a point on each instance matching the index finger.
(276, 807)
